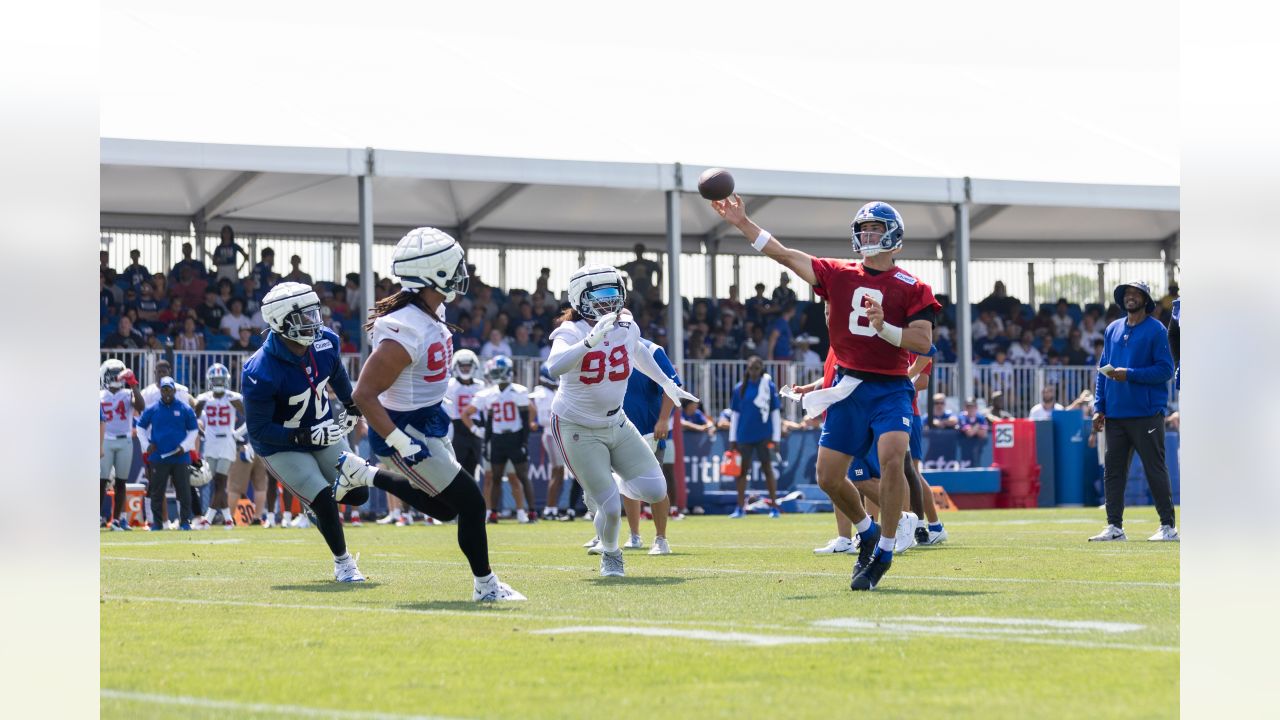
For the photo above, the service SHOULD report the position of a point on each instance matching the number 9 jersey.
(592, 394)
(414, 400)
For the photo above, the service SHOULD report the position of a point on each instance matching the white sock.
(886, 543)
(345, 557)
(862, 525)
(487, 579)
(208, 515)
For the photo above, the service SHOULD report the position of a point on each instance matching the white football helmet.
(200, 476)
(219, 378)
(596, 290)
(292, 310)
(109, 374)
(427, 257)
(465, 363)
(499, 369)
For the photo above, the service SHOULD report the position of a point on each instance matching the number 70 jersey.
(592, 394)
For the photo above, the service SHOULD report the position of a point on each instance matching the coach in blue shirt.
(755, 428)
(1131, 398)
(168, 431)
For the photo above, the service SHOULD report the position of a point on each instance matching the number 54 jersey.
(592, 394)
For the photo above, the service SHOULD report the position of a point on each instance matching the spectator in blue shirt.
(1131, 398)
(197, 268)
(974, 430)
(755, 429)
(167, 430)
(136, 274)
(780, 334)
(225, 255)
(264, 272)
(941, 418)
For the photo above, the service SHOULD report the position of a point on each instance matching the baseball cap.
(167, 381)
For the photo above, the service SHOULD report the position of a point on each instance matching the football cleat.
(522, 517)
(387, 519)
(353, 472)
(592, 542)
(634, 543)
(568, 515)
(184, 526)
(737, 513)
(346, 571)
(937, 538)
(1110, 534)
(492, 519)
(611, 564)
(775, 513)
(269, 520)
(120, 524)
(866, 546)
(1166, 533)
(495, 591)
(301, 521)
(922, 535)
(660, 546)
(870, 575)
(837, 545)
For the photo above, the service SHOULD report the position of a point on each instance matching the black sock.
(465, 499)
(102, 493)
(325, 508)
(417, 499)
(122, 498)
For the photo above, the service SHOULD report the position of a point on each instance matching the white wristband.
(398, 440)
(762, 240)
(891, 333)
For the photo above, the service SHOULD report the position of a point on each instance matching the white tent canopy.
(612, 205)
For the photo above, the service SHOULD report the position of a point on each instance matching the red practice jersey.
(846, 284)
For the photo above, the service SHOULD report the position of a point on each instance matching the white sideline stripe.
(726, 571)
(1070, 625)
(223, 541)
(689, 634)
(295, 710)
(1031, 636)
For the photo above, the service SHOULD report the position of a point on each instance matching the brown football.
(715, 184)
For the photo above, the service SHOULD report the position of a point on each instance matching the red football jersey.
(845, 284)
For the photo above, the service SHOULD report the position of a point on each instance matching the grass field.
(1017, 615)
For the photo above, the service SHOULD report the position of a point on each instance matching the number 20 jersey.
(845, 285)
(597, 386)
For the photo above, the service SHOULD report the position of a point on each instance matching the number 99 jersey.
(592, 394)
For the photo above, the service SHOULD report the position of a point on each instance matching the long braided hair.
(404, 298)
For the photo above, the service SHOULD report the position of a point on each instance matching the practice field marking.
(223, 541)
(724, 571)
(1065, 625)
(690, 634)
(1020, 630)
(294, 710)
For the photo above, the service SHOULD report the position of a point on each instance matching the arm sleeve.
(1160, 370)
(189, 442)
(775, 420)
(565, 353)
(733, 426)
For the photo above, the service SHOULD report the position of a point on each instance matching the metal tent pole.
(964, 331)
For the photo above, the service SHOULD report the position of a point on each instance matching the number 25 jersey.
(846, 285)
(592, 393)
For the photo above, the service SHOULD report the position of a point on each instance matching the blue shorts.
(863, 469)
(917, 438)
(854, 424)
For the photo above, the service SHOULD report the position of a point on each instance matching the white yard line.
(589, 565)
(291, 710)
(1066, 625)
(690, 634)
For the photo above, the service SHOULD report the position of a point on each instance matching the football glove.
(324, 435)
(409, 451)
(130, 380)
(602, 328)
(346, 421)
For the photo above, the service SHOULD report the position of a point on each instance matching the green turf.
(247, 623)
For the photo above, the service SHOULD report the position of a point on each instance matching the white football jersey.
(592, 394)
(117, 408)
(151, 394)
(461, 395)
(430, 347)
(542, 397)
(505, 406)
(219, 419)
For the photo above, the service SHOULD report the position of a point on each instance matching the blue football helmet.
(499, 369)
(881, 212)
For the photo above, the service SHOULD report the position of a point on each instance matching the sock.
(935, 527)
(886, 544)
(208, 514)
(862, 525)
(345, 557)
(329, 522)
(462, 500)
(486, 579)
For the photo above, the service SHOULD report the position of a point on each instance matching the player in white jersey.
(151, 393)
(592, 353)
(508, 416)
(218, 410)
(401, 393)
(118, 400)
(541, 397)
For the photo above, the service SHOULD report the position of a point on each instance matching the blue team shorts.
(917, 438)
(854, 424)
(863, 469)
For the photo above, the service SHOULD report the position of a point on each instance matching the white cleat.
(1166, 533)
(387, 519)
(353, 472)
(1112, 533)
(495, 591)
(611, 564)
(286, 520)
(269, 520)
(905, 539)
(301, 521)
(937, 538)
(634, 543)
(522, 517)
(660, 546)
(592, 544)
(345, 571)
(837, 545)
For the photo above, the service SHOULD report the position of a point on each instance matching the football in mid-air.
(715, 184)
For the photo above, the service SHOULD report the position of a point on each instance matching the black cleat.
(922, 535)
(871, 574)
(867, 547)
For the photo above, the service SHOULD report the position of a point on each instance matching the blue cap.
(167, 381)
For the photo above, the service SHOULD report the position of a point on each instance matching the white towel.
(816, 402)
(764, 397)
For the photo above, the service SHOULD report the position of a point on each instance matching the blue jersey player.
(649, 409)
(292, 424)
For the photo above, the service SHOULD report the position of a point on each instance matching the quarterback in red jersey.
(879, 313)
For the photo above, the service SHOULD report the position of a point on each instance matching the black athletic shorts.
(507, 446)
